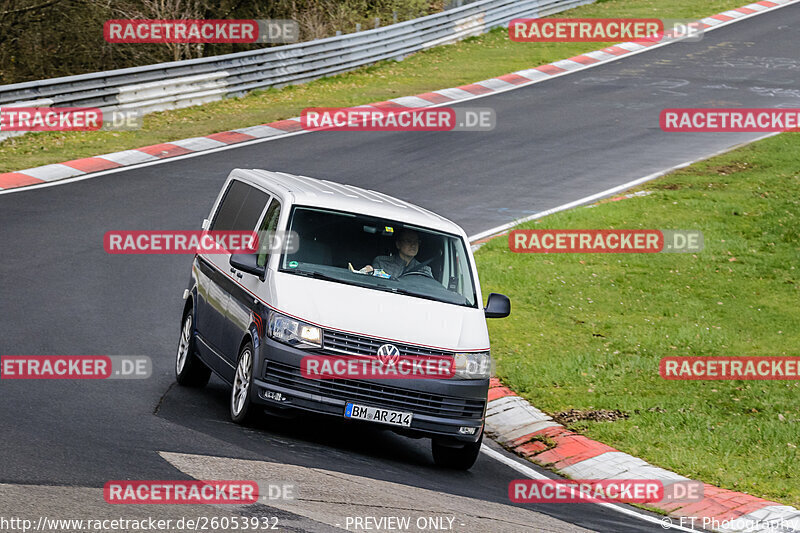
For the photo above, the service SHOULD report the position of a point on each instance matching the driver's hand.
(366, 270)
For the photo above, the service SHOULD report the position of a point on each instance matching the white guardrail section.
(196, 81)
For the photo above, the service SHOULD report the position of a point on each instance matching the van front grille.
(376, 394)
(338, 342)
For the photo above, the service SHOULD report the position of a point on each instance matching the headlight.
(477, 365)
(293, 332)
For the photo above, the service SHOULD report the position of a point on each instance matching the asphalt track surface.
(554, 142)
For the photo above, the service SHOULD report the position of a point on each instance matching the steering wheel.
(418, 270)
(416, 273)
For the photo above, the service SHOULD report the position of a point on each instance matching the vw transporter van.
(367, 276)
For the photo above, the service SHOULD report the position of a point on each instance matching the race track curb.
(522, 428)
(90, 165)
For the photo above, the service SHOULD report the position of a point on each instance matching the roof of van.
(328, 194)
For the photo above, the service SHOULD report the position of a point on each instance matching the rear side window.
(240, 209)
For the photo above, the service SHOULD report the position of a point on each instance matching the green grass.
(472, 60)
(587, 331)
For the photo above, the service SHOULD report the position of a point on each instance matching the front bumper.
(441, 407)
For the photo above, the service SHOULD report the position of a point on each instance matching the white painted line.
(472, 97)
(513, 463)
(608, 192)
(533, 474)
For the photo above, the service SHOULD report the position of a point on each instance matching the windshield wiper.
(407, 292)
(321, 275)
(312, 274)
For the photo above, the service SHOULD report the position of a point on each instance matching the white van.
(371, 276)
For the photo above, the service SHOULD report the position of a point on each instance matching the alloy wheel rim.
(241, 383)
(183, 346)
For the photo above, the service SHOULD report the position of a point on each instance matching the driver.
(407, 243)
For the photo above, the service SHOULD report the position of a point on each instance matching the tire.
(456, 458)
(241, 408)
(189, 369)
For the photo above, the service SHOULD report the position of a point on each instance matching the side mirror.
(497, 306)
(248, 263)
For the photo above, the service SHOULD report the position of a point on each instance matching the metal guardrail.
(185, 83)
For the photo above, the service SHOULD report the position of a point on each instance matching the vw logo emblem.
(388, 354)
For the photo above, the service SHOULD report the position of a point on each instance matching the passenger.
(407, 243)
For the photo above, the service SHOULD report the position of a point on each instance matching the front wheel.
(456, 458)
(189, 369)
(240, 404)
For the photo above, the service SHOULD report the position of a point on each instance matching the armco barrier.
(185, 83)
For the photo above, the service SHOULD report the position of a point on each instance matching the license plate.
(376, 414)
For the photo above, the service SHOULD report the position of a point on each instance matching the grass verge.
(474, 59)
(587, 331)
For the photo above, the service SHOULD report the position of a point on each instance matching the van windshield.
(380, 254)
